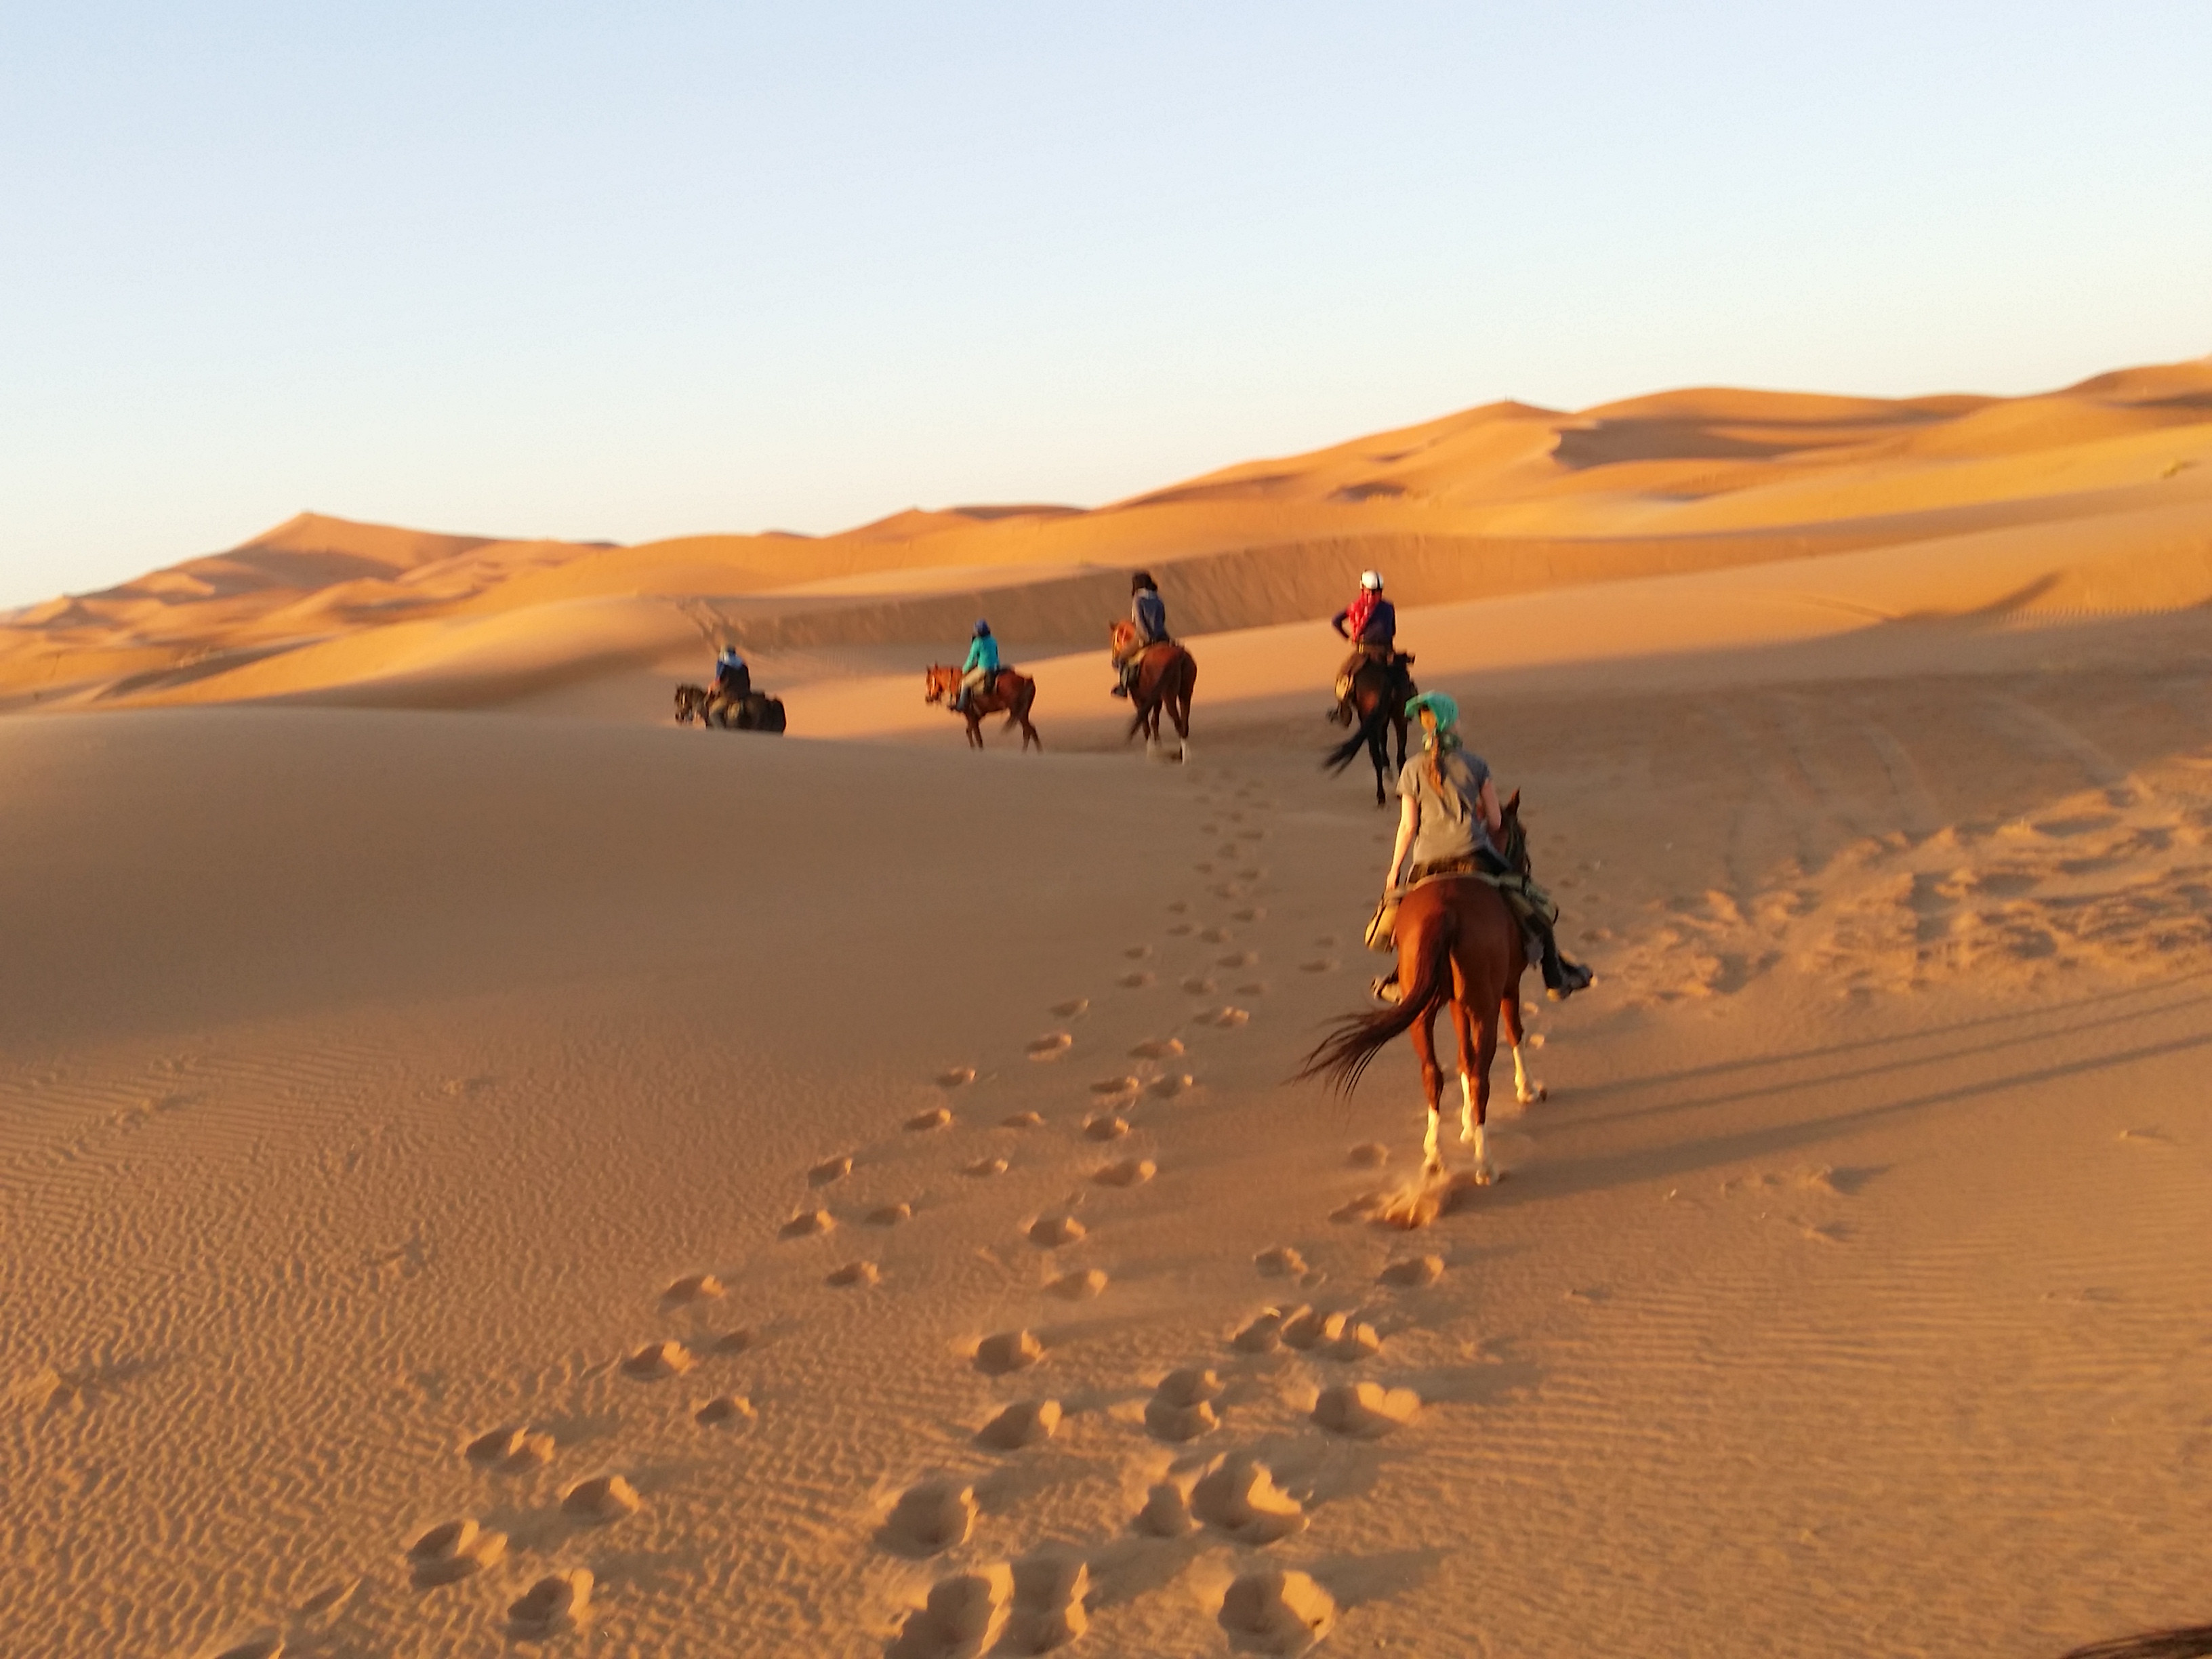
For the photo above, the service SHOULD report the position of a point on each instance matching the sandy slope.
(372, 1077)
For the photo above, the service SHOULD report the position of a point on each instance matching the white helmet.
(1372, 580)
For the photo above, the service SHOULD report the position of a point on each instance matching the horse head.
(688, 699)
(1512, 834)
(936, 681)
(1123, 635)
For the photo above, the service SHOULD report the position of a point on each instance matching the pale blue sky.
(627, 271)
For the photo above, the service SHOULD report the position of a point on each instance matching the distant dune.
(1506, 499)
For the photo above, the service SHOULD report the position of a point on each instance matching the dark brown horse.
(755, 712)
(1380, 692)
(1166, 676)
(1007, 693)
(1457, 942)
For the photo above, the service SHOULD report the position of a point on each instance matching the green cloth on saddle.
(1528, 900)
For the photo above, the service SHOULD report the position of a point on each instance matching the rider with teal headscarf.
(1450, 825)
(981, 666)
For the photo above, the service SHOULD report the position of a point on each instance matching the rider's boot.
(1562, 978)
(1387, 989)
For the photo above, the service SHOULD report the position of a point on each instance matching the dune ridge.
(1504, 499)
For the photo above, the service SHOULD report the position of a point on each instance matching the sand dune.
(473, 1183)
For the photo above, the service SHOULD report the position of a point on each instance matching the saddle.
(1532, 906)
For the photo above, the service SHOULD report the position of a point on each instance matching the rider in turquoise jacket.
(981, 666)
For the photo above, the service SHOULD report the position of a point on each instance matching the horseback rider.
(1370, 623)
(981, 666)
(1149, 614)
(1450, 824)
(733, 680)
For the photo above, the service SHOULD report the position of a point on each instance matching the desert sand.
(485, 1170)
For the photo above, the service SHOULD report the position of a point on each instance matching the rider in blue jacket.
(981, 666)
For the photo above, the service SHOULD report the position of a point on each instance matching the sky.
(624, 271)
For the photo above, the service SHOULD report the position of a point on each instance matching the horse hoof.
(1486, 1177)
(1434, 1166)
(1530, 1095)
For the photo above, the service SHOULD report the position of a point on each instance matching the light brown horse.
(1007, 692)
(1457, 941)
(1166, 676)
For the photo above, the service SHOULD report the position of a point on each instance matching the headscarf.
(1438, 743)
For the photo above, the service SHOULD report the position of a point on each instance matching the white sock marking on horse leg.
(1430, 1157)
(1469, 1131)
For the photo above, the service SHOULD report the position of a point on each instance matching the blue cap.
(729, 654)
(982, 628)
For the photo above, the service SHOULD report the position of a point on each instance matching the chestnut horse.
(1007, 693)
(1457, 940)
(1166, 676)
(1380, 692)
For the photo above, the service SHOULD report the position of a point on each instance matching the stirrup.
(1387, 989)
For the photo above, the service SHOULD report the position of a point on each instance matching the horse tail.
(1344, 1055)
(1371, 728)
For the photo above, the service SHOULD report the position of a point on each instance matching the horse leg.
(1477, 1045)
(974, 727)
(1425, 1049)
(1378, 751)
(1525, 1089)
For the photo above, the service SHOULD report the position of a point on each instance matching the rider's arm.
(1337, 621)
(1409, 820)
(1488, 801)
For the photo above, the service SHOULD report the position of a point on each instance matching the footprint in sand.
(1199, 986)
(1179, 930)
(889, 1215)
(929, 1519)
(1051, 1046)
(958, 1077)
(1214, 936)
(1276, 1612)
(1115, 1086)
(808, 1223)
(1129, 1172)
(1280, 1262)
(937, 1117)
(451, 1551)
(657, 1361)
(1368, 1155)
(725, 1408)
(559, 1601)
(1105, 1127)
(1257, 987)
(1071, 1008)
(1048, 1613)
(1138, 952)
(1028, 1423)
(1362, 1411)
(1166, 1088)
(1049, 1232)
(1226, 1018)
(855, 1275)
(1414, 1273)
(831, 1170)
(964, 1616)
(1326, 941)
(1005, 1352)
(601, 1500)
(984, 1168)
(1182, 1406)
(511, 1448)
(1318, 965)
(1203, 869)
(1134, 982)
(1021, 1121)
(1156, 1049)
(1238, 1495)
(1250, 913)
(735, 1341)
(1166, 1513)
(693, 1287)
(1178, 907)
(1078, 1286)
(1238, 959)
(1263, 1335)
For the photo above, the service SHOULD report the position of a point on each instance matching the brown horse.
(755, 712)
(1166, 676)
(1457, 941)
(1380, 692)
(1007, 693)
